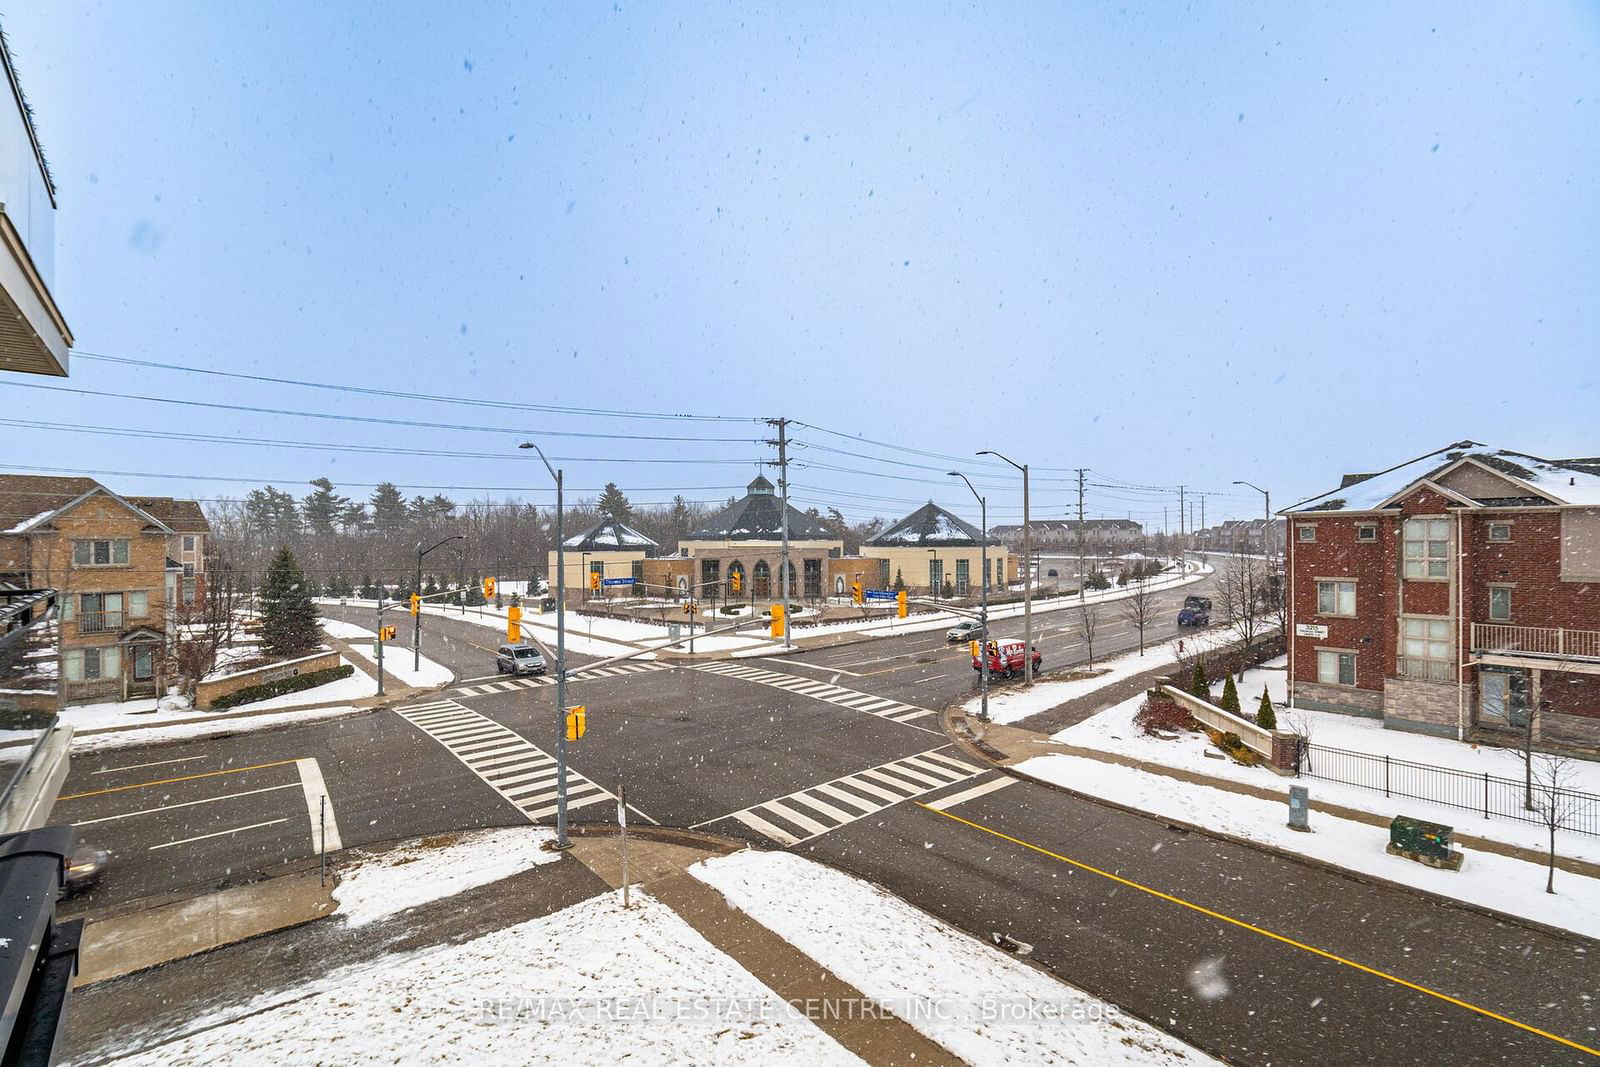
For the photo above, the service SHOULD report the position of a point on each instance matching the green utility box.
(1424, 842)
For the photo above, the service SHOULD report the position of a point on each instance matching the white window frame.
(139, 604)
(1367, 532)
(1305, 533)
(1500, 526)
(188, 542)
(1503, 590)
(1425, 558)
(1342, 597)
(1340, 658)
(963, 576)
(113, 544)
(1434, 647)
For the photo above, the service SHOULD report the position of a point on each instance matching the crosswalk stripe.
(916, 714)
(952, 761)
(900, 770)
(858, 781)
(846, 798)
(949, 774)
(788, 814)
(827, 809)
(946, 803)
(515, 759)
(868, 703)
(762, 826)
(579, 802)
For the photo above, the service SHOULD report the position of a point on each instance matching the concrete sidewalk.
(658, 867)
(1008, 746)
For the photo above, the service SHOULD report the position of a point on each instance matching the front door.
(1502, 697)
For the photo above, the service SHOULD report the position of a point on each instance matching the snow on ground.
(397, 661)
(1112, 730)
(211, 725)
(437, 867)
(589, 984)
(1008, 705)
(947, 985)
(1498, 882)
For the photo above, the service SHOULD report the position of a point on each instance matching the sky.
(1170, 245)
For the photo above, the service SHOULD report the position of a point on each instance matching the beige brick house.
(121, 566)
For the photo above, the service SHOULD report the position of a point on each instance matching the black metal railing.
(1489, 795)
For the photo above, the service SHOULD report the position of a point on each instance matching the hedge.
(251, 693)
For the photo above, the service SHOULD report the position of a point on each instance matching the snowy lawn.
(944, 983)
(435, 867)
(208, 724)
(587, 985)
(1498, 882)
(1112, 730)
(397, 661)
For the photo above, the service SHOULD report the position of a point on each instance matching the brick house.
(122, 568)
(1455, 593)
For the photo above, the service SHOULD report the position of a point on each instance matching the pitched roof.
(184, 516)
(1533, 480)
(609, 535)
(28, 498)
(929, 525)
(758, 516)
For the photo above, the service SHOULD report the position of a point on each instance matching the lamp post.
(983, 600)
(561, 655)
(1266, 531)
(1027, 569)
(416, 622)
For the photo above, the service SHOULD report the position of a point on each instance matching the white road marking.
(137, 766)
(219, 833)
(946, 803)
(186, 804)
(324, 829)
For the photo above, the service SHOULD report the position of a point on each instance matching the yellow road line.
(1267, 933)
(170, 781)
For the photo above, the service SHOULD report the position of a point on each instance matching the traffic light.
(594, 581)
(900, 604)
(488, 587)
(689, 608)
(736, 580)
(856, 596)
(386, 633)
(577, 722)
(416, 604)
(777, 620)
(514, 614)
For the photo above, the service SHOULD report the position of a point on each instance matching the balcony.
(99, 622)
(1501, 642)
(1426, 670)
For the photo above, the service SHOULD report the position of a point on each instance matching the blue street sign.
(616, 581)
(881, 594)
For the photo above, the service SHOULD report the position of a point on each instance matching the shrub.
(1097, 580)
(1198, 684)
(252, 693)
(1162, 714)
(1236, 749)
(18, 719)
(1230, 696)
(1266, 717)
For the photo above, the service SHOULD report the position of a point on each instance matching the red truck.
(1005, 658)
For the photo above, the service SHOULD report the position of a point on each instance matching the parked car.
(1196, 611)
(965, 630)
(1006, 658)
(519, 659)
(84, 868)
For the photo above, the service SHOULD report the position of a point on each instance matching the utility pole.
(416, 620)
(1083, 583)
(983, 601)
(561, 655)
(1027, 563)
(783, 511)
(1182, 546)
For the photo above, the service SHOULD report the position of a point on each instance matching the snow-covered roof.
(611, 535)
(758, 516)
(1515, 477)
(929, 525)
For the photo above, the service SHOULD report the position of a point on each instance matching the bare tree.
(1240, 587)
(202, 629)
(1556, 799)
(1089, 620)
(1139, 607)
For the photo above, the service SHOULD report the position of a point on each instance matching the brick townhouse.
(122, 566)
(1455, 594)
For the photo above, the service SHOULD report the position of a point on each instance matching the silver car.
(519, 659)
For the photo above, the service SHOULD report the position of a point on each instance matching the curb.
(962, 738)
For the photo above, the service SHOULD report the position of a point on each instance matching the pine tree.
(368, 590)
(475, 593)
(613, 504)
(1266, 717)
(388, 508)
(288, 618)
(1230, 696)
(899, 581)
(1198, 684)
(323, 508)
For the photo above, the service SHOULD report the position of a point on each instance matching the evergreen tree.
(475, 593)
(613, 504)
(899, 581)
(288, 618)
(430, 588)
(323, 508)
(388, 508)
(1266, 717)
(1230, 696)
(368, 590)
(1198, 684)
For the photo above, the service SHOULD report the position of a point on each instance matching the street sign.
(617, 581)
(881, 594)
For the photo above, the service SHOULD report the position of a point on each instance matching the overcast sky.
(1271, 242)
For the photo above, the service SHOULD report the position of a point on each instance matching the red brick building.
(1455, 592)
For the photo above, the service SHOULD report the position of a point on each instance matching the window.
(1500, 531)
(1336, 598)
(188, 590)
(92, 664)
(1500, 603)
(1427, 548)
(1367, 532)
(963, 576)
(188, 570)
(813, 573)
(188, 542)
(935, 574)
(139, 604)
(638, 576)
(763, 577)
(112, 552)
(883, 573)
(1000, 572)
(1336, 668)
(1423, 638)
(1306, 533)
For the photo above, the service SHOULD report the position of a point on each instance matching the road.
(837, 754)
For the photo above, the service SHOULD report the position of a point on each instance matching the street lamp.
(1266, 531)
(1027, 569)
(561, 655)
(983, 600)
(416, 622)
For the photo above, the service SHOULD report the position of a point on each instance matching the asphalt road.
(836, 753)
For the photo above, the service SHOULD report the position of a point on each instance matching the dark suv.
(1196, 611)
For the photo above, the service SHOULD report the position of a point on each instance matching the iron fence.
(1489, 795)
